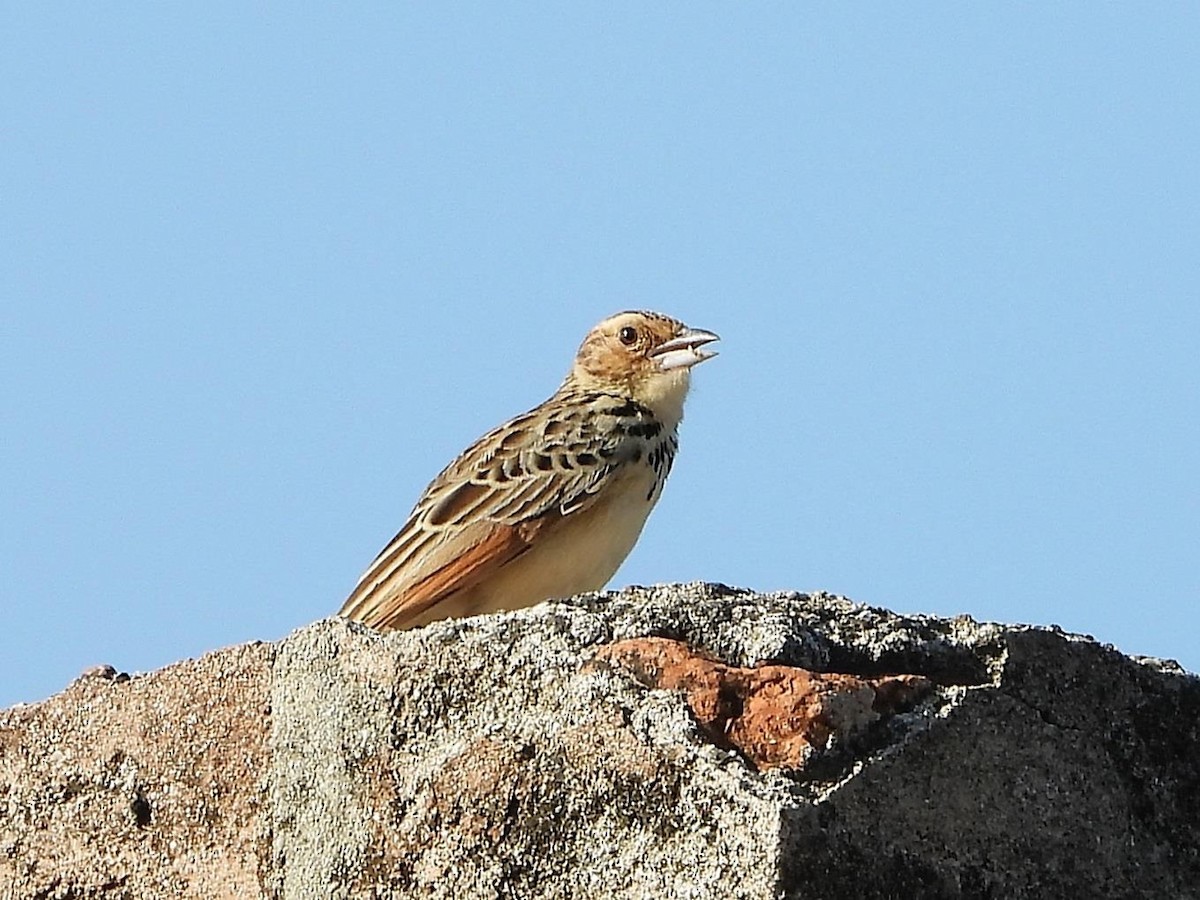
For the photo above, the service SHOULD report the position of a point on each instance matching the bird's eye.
(628, 335)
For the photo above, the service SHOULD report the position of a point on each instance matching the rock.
(146, 787)
(672, 741)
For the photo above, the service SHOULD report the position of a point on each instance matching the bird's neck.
(663, 395)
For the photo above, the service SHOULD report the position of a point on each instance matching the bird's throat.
(663, 395)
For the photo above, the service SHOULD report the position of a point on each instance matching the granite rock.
(552, 753)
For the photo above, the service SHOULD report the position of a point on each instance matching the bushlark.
(550, 503)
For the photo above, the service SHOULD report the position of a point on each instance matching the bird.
(550, 503)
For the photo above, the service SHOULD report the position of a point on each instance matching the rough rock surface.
(530, 755)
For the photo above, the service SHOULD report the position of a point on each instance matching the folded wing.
(489, 506)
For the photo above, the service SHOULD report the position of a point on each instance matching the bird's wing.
(489, 506)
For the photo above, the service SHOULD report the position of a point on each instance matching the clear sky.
(264, 270)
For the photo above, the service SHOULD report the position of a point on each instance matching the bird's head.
(643, 355)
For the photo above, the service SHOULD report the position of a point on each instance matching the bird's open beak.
(685, 351)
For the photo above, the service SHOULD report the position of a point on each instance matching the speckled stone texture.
(504, 756)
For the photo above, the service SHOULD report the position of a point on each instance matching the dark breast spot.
(629, 409)
(644, 429)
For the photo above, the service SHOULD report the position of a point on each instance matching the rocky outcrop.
(677, 741)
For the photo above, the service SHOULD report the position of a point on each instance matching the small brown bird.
(550, 503)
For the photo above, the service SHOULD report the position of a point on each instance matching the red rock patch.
(776, 716)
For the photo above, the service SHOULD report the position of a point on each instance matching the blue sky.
(265, 270)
